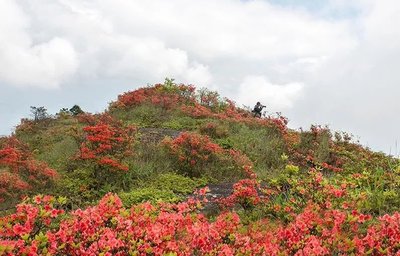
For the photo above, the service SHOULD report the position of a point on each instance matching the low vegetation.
(133, 181)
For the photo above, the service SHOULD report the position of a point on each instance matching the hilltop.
(313, 192)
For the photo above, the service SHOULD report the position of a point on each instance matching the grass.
(263, 146)
(57, 141)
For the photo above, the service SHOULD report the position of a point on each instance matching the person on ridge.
(257, 109)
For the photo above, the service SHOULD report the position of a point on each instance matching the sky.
(327, 62)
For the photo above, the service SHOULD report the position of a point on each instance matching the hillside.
(133, 181)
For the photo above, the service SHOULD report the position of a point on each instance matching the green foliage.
(145, 115)
(76, 185)
(381, 188)
(371, 179)
(263, 146)
(140, 172)
(323, 150)
(60, 152)
(47, 141)
(178, 183)
(167, 187)
(211, 99)
(181, 122)
(151, 194)
(63, 113)
(284, 178)
(150, 160)
(169, 84)
(225, 143)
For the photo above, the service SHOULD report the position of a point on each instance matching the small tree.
(39, 113)
(76, 110)
(63, 113)
(64, 110)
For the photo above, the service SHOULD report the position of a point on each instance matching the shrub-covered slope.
(308, 192)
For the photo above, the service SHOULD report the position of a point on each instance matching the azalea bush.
(102, 161)
(167, 96)
(310, 192)
(211, 99)
(164, 100)
(245, 193)
(196, 155)
(25, 232)
(214, 130)
(20, 172)
(193, 153)
(107, 143)
(41, 227)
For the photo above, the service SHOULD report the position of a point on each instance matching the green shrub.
(381, 188)
(181, 123)
(151, 194)
(263, 146)
(178, 183)
(76, 185)
(225, 143)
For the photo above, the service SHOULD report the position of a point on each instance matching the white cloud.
(244, 29)
(24, 63)
(340, 58)
(275, 97)
(357, 90)
(43, 65)
(199, 75)
(147, 57)
(154, 39)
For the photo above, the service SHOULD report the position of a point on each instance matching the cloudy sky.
(334, 62)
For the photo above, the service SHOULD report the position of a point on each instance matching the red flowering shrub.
(26, 232)
(197, 110)
(167, 96)
(20, 172)
(232, 113)
(314, 148)
(245, 193)
(87, 118)
(204, 104)
(214, 130)
(193, 152)
(102, 161)
(107, 145)
(328, 200)
(178, 229)
(317, 148)
(196, 155)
